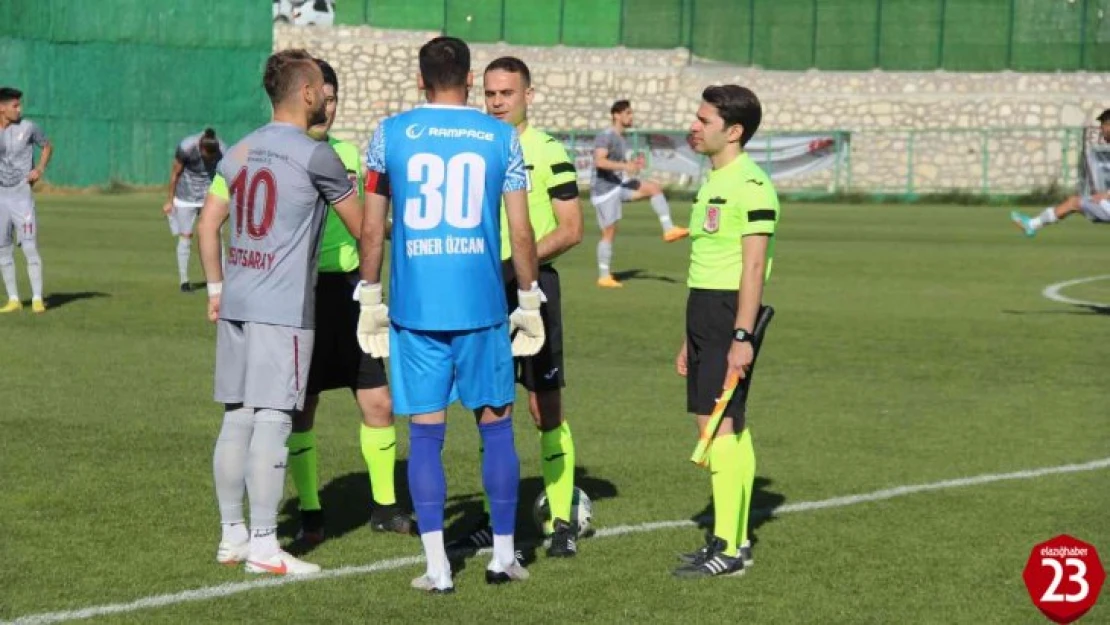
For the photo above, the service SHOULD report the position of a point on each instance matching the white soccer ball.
(580, 508)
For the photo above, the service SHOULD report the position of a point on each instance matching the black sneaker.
(515, 573)
(186, 287)
(563, 540)
(699, 555)
(479, 538)
(390, 518)
(312, 527)
(715, 564)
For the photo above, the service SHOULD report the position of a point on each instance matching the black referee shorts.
(710, 325)
(337, 360)
(543, 371)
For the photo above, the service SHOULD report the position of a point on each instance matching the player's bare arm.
(372, 240)
(212, 217)
(522, 238)
(754, 253)
(349, 210)
(602, 161)
(568, 234)
(175, 175)
(37, 172)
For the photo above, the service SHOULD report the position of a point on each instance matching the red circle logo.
(1064, 577)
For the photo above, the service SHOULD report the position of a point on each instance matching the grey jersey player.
(18, 173)
(194, 166)
(1093, 199)
(614, 182)
(275, 185)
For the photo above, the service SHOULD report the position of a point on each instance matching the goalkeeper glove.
(525, 324)
(373, 320)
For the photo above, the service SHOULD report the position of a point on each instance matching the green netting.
(410, 14)
(1046, 35)
(474, 20)
(722, 29)
(784, 34)
(1096, 49)
(910, 34)
(531, 23)
(592, 23)
(976, 35)
(847, 32)
(653, 23)
(116, 83)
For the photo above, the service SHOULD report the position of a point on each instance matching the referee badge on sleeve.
(712, 218)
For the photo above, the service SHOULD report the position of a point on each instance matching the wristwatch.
(742, 336)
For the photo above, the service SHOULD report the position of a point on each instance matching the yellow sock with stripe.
(747, 480)
(302, 466)
(726, 474)
(557, 456)
(379, 450)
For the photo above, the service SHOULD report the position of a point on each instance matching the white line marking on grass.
(226, 590)
(1052, 292)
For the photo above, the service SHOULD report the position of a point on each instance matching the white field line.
(224, 590)
(1052, 292)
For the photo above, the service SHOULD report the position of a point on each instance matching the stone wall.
(947, 112)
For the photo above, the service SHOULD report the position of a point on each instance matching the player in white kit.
(275, 185)
(18, 174)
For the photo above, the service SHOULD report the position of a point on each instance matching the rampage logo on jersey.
(250, 259)
(449, 245)
(416, 131)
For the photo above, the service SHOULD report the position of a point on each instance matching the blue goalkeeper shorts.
(429, 370)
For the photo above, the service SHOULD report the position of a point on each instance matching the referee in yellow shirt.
(556, 218)
(732, 227)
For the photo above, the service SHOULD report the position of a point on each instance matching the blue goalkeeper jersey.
(445, 168)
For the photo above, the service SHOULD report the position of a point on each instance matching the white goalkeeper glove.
(525, 324)
(373, 320)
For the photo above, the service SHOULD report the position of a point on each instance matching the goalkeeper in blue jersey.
(445, 168)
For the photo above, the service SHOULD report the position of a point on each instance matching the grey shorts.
(1095, 211)
(261, 365)
(17, 215)
(608, 204)
(183, 217)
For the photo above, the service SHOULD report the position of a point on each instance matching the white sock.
(504, 553)
(439, 569)
(1045, 218)
(264, 542)
(662, 210)
(184, 246)
(234, 533)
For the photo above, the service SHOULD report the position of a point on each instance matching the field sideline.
(912, 345)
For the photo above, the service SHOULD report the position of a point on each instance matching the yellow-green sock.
(557, 457)
(747, 479)
(725, 467)
(302, 466)
(379, 450)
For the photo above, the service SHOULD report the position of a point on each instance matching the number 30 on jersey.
(453, 191)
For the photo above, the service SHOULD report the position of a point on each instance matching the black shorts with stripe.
(544, 371)
(710, 325)
(337, 360)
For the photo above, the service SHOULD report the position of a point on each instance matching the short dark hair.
(620, 106)
(330, 77)
(209, 144)
(736, 105)
(7, 94)
(1103, 117)
(444, 63)
(284, 70)
(512, 65)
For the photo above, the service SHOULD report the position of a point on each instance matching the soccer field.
(912, 346)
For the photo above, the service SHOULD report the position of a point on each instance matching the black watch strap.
(741, 335)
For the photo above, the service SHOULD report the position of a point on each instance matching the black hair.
(620, 106)
(736, 105)
(444, 63)
(330, 77)
(512, 65)
(7, 94)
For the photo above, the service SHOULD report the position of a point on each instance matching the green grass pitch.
(911, 345)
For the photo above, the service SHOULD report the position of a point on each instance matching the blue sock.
(427, 483)
(500, 474)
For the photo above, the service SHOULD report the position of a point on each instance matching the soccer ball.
(580, 508)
